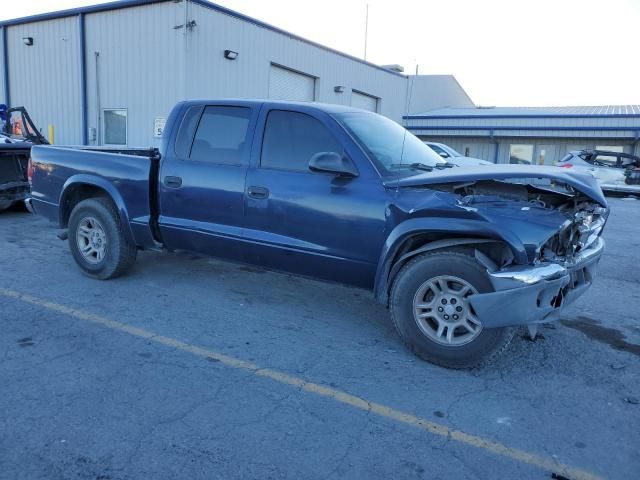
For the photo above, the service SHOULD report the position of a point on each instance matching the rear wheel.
(432, 314)
(97, 241)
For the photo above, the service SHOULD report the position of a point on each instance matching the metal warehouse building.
(109, 74)
(530, 135)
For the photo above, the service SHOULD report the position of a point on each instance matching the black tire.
(119, 253)
(5, 204)
(482, 349)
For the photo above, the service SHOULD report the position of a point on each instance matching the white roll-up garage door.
(286, 84)
(364, 101)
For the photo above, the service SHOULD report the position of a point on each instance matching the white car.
(615, 171)
(452, 156)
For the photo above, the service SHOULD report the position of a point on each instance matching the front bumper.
(536, 294)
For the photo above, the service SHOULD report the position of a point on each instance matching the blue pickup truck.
(460, 256)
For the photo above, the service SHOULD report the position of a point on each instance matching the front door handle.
(258, 192)
(172, 182)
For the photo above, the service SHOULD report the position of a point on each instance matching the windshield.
(389, 145)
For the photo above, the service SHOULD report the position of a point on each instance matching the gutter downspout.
(5, 60)
(497, 144)
(97, 56)
(83, 81)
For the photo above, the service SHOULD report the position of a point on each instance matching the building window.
(115, 126)
(521, 153)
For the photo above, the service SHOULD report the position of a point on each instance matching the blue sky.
(503, 52)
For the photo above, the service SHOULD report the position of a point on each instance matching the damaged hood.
(583, 183)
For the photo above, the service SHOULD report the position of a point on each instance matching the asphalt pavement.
(194, 368)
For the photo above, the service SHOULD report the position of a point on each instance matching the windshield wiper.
(417, 166)
(441, 166)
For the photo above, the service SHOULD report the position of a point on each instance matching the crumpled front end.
(564, 269)
(539, 293)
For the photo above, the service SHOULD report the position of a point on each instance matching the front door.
(202, 182)
(315, 224)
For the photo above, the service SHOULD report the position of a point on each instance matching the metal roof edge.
(117, 5)
(268, 26)
(522, 115)
(71, 12)
(523, 128)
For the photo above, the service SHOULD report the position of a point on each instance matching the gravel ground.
(81, 401)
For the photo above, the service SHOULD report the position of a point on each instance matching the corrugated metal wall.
(554, 148)
(144, 59)
(210, 74)
(484, 125)
(140, 66)
(45, 77)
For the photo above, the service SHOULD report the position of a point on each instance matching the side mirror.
(332, 162)
(444, 154)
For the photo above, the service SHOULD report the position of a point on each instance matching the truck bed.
(129, 176)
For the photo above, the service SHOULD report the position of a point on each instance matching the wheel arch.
(82, 187)
(492, 246)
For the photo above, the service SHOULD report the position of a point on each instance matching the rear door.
(309, 223)
(202, 179)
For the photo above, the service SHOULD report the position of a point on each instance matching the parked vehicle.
(17, 136)
(455, 157)
(615, 171)
(460, 256)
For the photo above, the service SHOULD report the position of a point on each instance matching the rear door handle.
(258, 192)
(172, 182)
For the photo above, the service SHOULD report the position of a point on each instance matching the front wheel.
(97, 242)
(431, 312)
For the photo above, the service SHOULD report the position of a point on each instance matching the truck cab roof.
(324, 107)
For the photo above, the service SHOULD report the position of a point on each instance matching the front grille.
(574, 236)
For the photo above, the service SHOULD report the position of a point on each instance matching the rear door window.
(221, 136)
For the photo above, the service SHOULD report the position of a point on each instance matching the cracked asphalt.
(81, 401)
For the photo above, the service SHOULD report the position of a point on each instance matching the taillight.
(566, 165)
(30, 171)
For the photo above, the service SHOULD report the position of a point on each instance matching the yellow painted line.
(487, 445)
